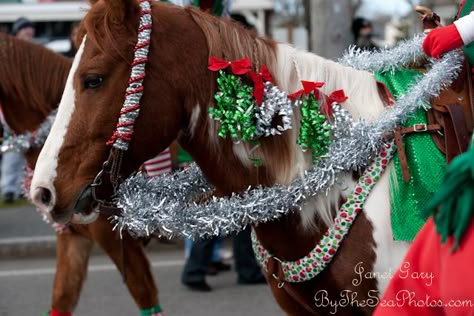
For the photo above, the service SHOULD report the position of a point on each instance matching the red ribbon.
(53, 312)
(308, 87)
(238, 67)
(258, 79)
(337, 96)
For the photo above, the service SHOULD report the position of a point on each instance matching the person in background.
(72, 39)
(363, 31)
(13, 163)
(23, 29)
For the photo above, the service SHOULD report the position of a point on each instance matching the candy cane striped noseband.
(122, 136)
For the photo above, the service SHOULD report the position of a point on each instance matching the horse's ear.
(118, 10)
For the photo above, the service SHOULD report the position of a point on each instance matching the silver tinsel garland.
(24, 142)
(167, 205)
(387, 59)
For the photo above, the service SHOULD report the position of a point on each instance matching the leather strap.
(417, 128)
(397, 135)
(124, 260)
(470, 90)
(455, 131)
(109, 209)
(275, 271)
(402, 155)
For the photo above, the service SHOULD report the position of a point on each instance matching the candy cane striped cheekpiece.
(131, 107)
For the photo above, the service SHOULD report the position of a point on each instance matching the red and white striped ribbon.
(159, 165)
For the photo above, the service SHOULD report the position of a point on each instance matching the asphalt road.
(25, 289)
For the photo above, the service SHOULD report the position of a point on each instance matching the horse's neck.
(222, 168)
(229, 169)
(227, 174)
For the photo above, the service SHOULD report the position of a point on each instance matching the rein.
(122, 136)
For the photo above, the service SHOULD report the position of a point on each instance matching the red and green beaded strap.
(53, 312)
(316, 261)
(153, 311)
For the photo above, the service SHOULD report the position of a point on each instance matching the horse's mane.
(230, 40)
(24, 65)
(99, 27)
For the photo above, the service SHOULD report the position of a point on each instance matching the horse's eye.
(93, 81)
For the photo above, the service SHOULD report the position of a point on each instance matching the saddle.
(451, 117)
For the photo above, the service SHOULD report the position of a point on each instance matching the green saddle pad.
(426, 164)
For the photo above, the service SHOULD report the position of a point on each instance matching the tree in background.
(330, 23)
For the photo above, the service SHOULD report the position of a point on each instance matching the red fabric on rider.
(431, 274)
(441, 40)
(53, 312)
(206, 5)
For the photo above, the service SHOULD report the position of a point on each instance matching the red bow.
(258, 79)
(308, 87)
(337, 96)
(238, 67)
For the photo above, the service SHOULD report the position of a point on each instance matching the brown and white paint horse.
(178, 92)
(32, 80)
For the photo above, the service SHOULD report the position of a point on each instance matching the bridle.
(120, 140)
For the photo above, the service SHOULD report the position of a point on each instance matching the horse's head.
(94, 94)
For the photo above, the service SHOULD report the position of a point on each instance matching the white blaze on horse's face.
(42, 186)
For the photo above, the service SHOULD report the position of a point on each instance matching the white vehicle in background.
(53, 18)
(60, 46)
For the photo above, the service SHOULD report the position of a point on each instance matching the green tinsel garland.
(235, 108)
(315, 132)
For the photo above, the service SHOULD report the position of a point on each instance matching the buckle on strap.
(110, 168)
(420, 128)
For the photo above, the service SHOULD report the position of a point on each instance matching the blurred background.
(324, 27)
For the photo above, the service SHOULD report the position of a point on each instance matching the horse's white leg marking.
(45, 170)
(389, 253)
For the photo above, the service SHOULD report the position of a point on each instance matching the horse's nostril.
(45, 196)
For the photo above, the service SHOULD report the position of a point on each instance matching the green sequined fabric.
(426, 164)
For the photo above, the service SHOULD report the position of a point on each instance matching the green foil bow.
(235, 108)
(315, 132)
